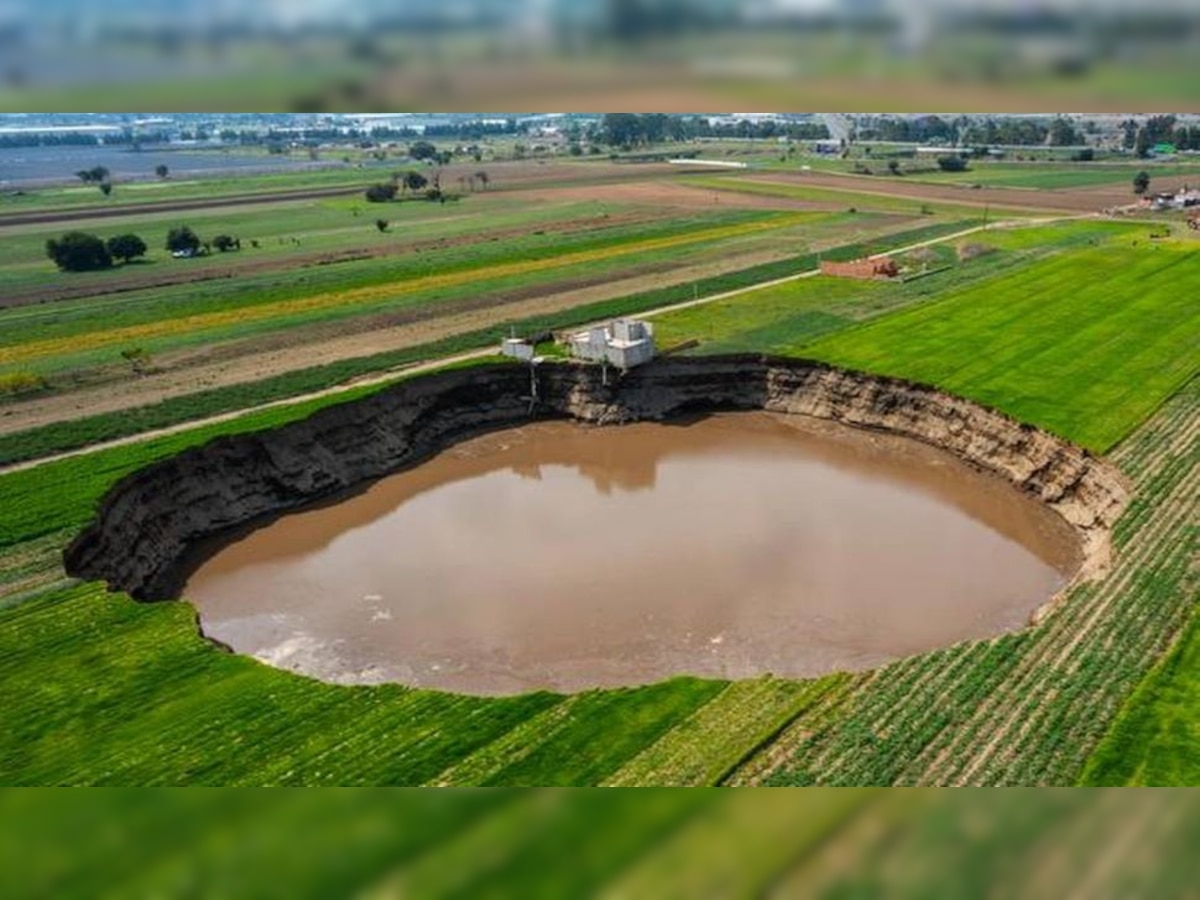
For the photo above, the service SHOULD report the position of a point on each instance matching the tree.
(894, 166)
(1141, 182)
(380, 193)
(225, 242)
(952, 164)
(106, 188)
(382, 225)
(125, 247)
(1142, 144)
(422, 150)
(414, 181)
(161, 171)
(1063, 133)
(621, 130)
(94, 175)
(182, 239)
(77, 251)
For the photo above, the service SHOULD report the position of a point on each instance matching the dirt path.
(188, 381)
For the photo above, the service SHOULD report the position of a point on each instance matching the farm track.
(1029, 708)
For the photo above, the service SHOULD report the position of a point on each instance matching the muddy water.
(566, 557)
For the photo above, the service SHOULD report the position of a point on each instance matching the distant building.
(623, 343)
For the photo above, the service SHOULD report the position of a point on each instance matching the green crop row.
(1029, 708)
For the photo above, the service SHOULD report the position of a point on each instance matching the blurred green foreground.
(549, 843)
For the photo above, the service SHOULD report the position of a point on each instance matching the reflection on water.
(565, 557)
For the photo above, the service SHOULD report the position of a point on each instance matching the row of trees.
(1141, 137)
(415, 182)
(966, 130)
(78, 251)
(627, 130)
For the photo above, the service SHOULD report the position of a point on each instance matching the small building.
(517, 348)
(623, 343)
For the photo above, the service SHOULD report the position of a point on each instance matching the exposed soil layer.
(148, 522)
(562, 556)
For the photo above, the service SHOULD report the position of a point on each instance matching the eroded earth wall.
(148, 522)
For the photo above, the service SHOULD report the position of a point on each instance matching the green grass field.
(1111, 327)
(1157, 740)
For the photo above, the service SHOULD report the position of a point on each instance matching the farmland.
(1112, 321)
(1083, 328)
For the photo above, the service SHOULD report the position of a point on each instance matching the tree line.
(79, 251)
(1142, 137)
(416, 182)
(627, 130)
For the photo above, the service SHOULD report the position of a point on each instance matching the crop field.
(1120, 306)
(1085, 328)
(1112, 326)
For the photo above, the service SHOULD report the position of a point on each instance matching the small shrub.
(20, 383)
(138, 359)
(973, 251)
(380, 193)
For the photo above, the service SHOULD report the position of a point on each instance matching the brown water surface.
(566, 557)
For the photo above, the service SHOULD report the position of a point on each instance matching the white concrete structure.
(624, 343)
(517, 348)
